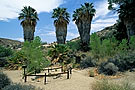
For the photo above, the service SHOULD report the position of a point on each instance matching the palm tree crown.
(125, 8)
(86, 10)
(60, 15)
(29, 16)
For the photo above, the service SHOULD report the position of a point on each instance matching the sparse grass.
(106, 85)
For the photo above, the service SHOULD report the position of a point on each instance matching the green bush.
(5, 52)
(88, 62)
(4, 80)
(105, 85)
(103, 48)
(108, 68)
(108, 47)
(74, 45)
(20, 87)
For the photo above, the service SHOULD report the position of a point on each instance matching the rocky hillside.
(107, 32)
(10, 43)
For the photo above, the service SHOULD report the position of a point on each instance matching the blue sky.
(10, 26)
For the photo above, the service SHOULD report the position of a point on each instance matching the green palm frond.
(60, 13)
(28, 15)
(86, 8)
(125, 8)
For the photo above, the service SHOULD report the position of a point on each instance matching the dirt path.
(79, 80)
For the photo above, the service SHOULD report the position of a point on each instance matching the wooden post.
(67, 74)
(35, 71)
(62, 69)
(48, 70)
(45, 79)
(25, 78)
(70, 70)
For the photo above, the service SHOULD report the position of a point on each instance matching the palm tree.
(28, 17)
(126, 11)
(83, 17)
(61, 21)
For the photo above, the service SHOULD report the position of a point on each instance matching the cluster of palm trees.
(82, 17)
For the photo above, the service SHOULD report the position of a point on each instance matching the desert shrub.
(4, 80)
(3, 62)
(17, 58)
(91, 73)
(106, 85)
(125, 62)
(88, 62)
(4, 52)
(122, 62)
(108, 68)
(74, 45)
(20, 87)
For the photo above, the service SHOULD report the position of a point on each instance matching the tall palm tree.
(61, 21)
(126, 11)
(28, 17)
(83, 17)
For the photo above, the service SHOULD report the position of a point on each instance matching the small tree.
(132, 43)
(34, 55)
(123, 47)
(95, 45)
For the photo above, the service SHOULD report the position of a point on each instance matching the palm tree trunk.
(130, 25)
(28, 32)
(84, 31)
(61, 33)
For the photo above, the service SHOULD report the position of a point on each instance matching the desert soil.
(79, 80)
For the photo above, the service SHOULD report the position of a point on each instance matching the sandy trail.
(79, 80)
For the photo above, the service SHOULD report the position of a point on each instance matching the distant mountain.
(10, 43)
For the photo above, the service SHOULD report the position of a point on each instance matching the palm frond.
(87, 8)
(28, 15)
(60, 13)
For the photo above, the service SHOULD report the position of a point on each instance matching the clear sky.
(10, 26)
